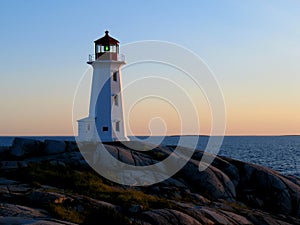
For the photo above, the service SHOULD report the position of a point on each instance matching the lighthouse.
(105, 122)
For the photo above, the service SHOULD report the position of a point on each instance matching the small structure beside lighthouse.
(105, 122)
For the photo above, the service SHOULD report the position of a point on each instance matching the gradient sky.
(252, 46)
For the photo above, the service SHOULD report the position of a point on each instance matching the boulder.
(4, 181)
(17, 151)
(161, 152)
(112, 150)
(8, 210)
(53, 147)
(4, 150)
(135, 209)
(8, 165)
(43, 198)
(236, 218)
(229, 169)
(263, 188)
(220, 163)
(29, 221)
(200, 216)
(22, 164)
(141, 159)
(261, 218)
(57, 163)
(125, 156)
(22, 147)
(71, 146)
(174, 183)
(214, 216)
(293, 179)
(168, 216)
(4, 193)
(94, 203)
(211, 183)
(18, 189)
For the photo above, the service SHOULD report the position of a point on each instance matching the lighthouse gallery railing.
(120, 57)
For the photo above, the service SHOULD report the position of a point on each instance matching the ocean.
(281, 153)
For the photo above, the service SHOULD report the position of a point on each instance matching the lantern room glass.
(107, 48)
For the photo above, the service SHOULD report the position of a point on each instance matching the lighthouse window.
(116, 100)
(104, 128)
(115, 76)
(98, 49)
(118, 126)
(106, 48)
(113, 48)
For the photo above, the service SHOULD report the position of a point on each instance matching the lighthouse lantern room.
(105, 122)
(107, 48)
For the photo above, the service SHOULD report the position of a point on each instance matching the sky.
(253, 48)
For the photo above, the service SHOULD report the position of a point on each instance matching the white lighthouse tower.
(105, 122)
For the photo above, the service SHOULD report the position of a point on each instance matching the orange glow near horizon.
(248, 119)
(145, 119)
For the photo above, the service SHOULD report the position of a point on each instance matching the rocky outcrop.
(26, 215)
(168, 216)
(25, 147)
(212, 181)
(227, 192)
(4, 150)
(53, 147)
(263, 188)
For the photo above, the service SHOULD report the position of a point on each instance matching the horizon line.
(171, 135)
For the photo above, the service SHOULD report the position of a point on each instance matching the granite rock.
(54, 147)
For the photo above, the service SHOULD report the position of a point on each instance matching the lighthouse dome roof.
(107, 40)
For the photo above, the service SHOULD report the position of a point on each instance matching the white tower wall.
(106, 118)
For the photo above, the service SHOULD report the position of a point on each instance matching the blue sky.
(252, 46)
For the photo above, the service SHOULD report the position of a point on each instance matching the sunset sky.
(253, 48)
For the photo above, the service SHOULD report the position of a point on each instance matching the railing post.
(121, 57)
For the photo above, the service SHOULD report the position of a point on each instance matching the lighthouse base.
(87, 132)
